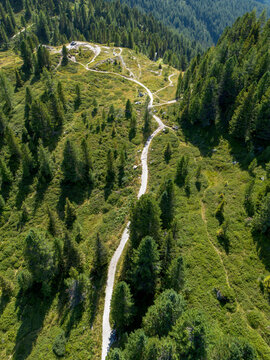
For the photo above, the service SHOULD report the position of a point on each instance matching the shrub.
(59, 346)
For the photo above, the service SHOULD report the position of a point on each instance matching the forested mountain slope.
(194, 283)
(203, 21)
(56, 22)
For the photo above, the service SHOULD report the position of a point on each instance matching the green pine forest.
(193, 281)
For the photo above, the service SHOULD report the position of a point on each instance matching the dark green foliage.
(175, 274)
(2, 204)
(145, 267)
(200, 21)
(2, 123)
(100, 258)
(5, 286)
(45, 164)
(111, 114)
(167, 153)
(231, 92)
(147, 123)
(5, 172)
(110, 174)
(128, 110)
(39, 256)
(27, 161)
(52, 226)
(61, 95)
(220, 209)
(87, 166)
(70, 164)
(64, 56)
(135, 346)
(166, 203)
(145, 220)
(70, 214)
(59, 346)
(25, 279)
(121, 306)
(19, 82)
(115, 354)
(40, 121)
(161, 316)
(71, 255)
(189, 336)
(13, 144)
(181, 171)
(78, 100)
(27, 57)
(5, 93)
(133, 126)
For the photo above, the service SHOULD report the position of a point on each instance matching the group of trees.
(57, 22)
(202, 21)
(229, 86)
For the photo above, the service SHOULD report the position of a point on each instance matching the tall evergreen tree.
(144, 220)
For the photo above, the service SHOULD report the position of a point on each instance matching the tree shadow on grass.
(205, 139)
(23, 190)
(32, 309)
(4, 300)
(95, 295)
(76, 193)
(40, 192)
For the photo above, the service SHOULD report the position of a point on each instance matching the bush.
(59, 346)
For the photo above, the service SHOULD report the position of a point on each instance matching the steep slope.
(203, 21)
(196, 270)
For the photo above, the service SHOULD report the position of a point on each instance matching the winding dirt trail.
(106, 327)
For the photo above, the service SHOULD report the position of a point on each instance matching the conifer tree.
(52, 225)
(100, 258)
(128, 110)
(2, 124)
(167, 152)
(64, 56)
(110, 174)
(5, 93)
(181, 171)
(133, 126)
(145, 268)
(147, 123)
(19, 82)
(166, 203)
(144, 220)
(78, 100)
(121, 306)
(27, 161)
(71, 255)
(27, 57)
(39, 256)
(13, 144)
(70, 214)
(5, 173)
(70, 164)
(87, 166)
(61, 95)
(45, 164)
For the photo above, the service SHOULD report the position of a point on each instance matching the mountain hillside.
(57, 22)
(194, 281)
(203, 21)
